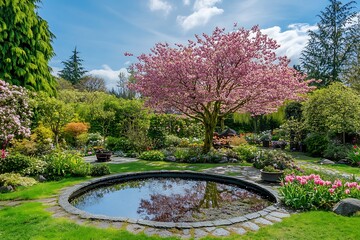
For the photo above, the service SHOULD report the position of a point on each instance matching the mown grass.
(32, 221)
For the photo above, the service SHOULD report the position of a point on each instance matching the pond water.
(170, 200)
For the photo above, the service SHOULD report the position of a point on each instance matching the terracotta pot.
(271, 176)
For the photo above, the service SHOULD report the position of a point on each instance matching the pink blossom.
(303, 181)
(331, 190)
(338, 183)
(347, 191)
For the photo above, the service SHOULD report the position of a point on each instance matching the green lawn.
(31, 220)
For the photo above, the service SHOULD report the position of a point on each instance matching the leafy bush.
(16, 180)
(277, 159)
(15, 163)
(119, 144)
(99, 170)
(153, 155)
(61, 164)
(312, 193)
(94, 139)
(172, 141)
(246, 152)
(182, 154)
(38, 167)
(336, 151)
(316, 144)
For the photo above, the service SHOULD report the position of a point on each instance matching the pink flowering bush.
(311, 192)
(15, 113)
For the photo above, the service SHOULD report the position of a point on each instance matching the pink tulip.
(331, 190)
(347, 191)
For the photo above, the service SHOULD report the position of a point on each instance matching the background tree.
(330, 46)
(25, 41)
(73, 70)
(122, 90)
(15, 113)
(217, 75)
(91, 84)
(335, 109)
(54, 114)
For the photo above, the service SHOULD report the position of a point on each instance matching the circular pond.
(167, 197)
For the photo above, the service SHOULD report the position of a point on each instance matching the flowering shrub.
(15, 113)
(16, 180)
(277, 159)
(311, 192)
(354, 156)
(152, 155)
(246, 152)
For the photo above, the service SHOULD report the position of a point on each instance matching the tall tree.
(25, 43)
(122, 90)
(91, 84)
(73, 70)
(217, 75)
(331, 45)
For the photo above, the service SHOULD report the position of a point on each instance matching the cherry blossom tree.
(216, 75)
(15, 113)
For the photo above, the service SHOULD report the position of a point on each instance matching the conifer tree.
(73, 70)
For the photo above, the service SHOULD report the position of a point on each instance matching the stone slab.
(251, 226)
(262, 221)
(220, 232)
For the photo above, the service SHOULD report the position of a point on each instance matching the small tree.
(15, 113)
(333, 109)
(73, 70)
(217, 75)
(91, 84)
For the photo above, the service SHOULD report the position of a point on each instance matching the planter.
(271, 176)
(266, 143)
(103, 157)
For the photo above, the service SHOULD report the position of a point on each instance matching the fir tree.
(73, 70)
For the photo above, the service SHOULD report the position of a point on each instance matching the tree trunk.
(209, 125)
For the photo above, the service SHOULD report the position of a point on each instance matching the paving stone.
(80, 221)
(54, 209)
(165, 233)
(238, 219)
(263, 213)
(271, 208)
(262, 221)
(186, 231)
(238, 230)
(135, 228)
(210, 229)
(60, 214)
(279, 214)
(200, 233)
(220, 232)
(222, 222)
(273, 219)
(250, 225)
(252, 215)
(102, 224)
(151, 231)
(117, 225)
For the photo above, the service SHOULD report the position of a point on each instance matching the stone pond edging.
(77, 190)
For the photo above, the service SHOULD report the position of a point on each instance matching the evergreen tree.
(73, 70)
(331, 45)
(25, 43)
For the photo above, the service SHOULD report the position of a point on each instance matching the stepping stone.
(117, 225)
(102, 224)
(80, 221)
(165, 233)
(279, 214)
(210, 229)
(263, 221)
(135, 228)
(250, 225)
(151, 231)
(60, 214)
(200, 233)
(238, 230)
(220, 232)
(273, 219)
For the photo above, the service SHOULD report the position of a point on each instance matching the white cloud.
(186, 2)
(291, 41)
(55, 71)
(204, 10)
(110, 76)
(160, 5)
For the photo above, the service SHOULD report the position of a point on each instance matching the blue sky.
(102, 30)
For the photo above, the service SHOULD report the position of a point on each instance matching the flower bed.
(312, 193)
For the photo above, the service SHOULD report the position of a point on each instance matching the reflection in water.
(170, 200)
